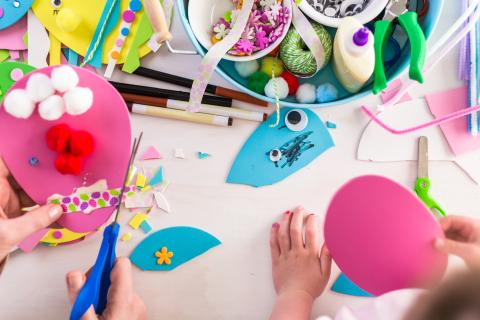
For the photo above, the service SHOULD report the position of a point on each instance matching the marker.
(194, 117)
(204, 108)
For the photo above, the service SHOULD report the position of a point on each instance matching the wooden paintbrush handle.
(240, 96)
(156, 16)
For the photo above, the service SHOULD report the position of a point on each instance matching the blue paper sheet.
(345, 286)
(253, 165)
(185, 243)
(11, 13)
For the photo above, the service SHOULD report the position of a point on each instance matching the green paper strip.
(4, 55)
(143, 34)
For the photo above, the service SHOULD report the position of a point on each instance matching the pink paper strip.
(32, 240)
(392, 89)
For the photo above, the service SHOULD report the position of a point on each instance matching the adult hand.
(14, 227)
(462, 239)
(300, 269)
(122, 301)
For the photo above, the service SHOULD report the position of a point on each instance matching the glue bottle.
(353, 54)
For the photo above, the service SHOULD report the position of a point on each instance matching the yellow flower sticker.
(164, 256)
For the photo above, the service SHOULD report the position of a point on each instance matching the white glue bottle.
(353, 54)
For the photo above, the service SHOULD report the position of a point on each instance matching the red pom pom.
(81, 143)
(58, 137)
(68, 164)
(292, 81)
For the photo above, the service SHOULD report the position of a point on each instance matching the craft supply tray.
(226, 68)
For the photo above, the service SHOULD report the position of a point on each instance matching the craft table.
(232, 281)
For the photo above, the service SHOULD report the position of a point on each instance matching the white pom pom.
(306, 93)
(281, 90)
(39, 87)
(18, 104)
(64, 78)
(78, 100)
(246, 68)
(51, 108)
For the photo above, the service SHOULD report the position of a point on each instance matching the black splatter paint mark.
(293, 149)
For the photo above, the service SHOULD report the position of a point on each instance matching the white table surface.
(232, 281)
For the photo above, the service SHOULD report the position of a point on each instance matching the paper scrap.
(346, 286)
(331, 125)
(163, 186)
(137, 220)
(161, 202)
(151, 154)
(127, 236)
(158, 177)
(139, 200)
(145, 226)
(55, 50)
(141, 180)
(391, 91)
(203, 155)
(179, 154)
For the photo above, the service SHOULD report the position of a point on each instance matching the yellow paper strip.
(55, 50)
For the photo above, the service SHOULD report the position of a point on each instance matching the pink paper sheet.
(11, 38)
(456, 132)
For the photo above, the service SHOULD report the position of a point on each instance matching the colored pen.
(166, 113)
(204, 108)
(187, 83)
(169, 94)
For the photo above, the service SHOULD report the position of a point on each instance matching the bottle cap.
(360, 38)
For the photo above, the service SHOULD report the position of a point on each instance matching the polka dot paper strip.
(87, 202)
(215, 54)
(128, 16)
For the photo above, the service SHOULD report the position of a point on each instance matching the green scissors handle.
(422, 187)
(416, 37)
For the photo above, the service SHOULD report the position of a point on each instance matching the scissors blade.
(136, 143)
(422, 157)
(395, 8)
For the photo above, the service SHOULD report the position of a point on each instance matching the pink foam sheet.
(109, 123)
(381, 236)
(455, 131)
(11, 38)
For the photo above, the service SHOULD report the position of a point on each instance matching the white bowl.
(203, 14)
(371, 11)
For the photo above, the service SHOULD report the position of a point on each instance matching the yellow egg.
(74, 22)
(272, 64)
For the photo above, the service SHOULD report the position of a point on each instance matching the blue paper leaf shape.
(185, 243)
(254, 165)
(346, 286)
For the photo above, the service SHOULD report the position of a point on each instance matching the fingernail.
(300, 208)
(55, 212)
(275, 226)
(311, 214)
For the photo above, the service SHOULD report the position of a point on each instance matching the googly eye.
(56, 3)
(275, 155)
(296, 120)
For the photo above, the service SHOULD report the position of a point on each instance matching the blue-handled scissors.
(94, 292)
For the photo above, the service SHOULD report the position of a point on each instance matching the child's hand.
(298, 266)
(462, 239)
(123, 303)
(14, 227)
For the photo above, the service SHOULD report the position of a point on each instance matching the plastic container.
(226, 68)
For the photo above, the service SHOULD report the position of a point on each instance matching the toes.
(311, 233)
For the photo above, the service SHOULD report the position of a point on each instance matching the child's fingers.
(466, 251)
(75, 282)
(274, 245)
(458, 228)
(284, 232)
(325, 261)
(311, 233)
(296, 228)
